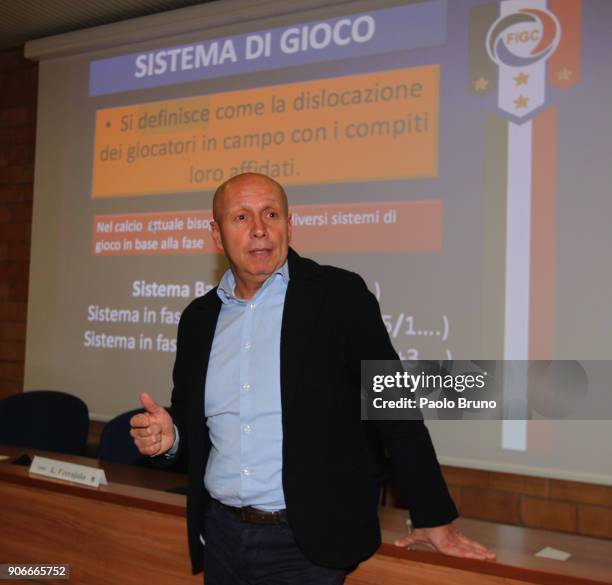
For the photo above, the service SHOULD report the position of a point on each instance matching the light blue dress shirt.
(243, 400)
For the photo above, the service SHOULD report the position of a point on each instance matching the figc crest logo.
(525, 37)
(521, 48)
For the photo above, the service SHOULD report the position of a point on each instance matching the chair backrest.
(45, 419)
(116, 444)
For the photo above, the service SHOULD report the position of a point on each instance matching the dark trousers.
(241, 553)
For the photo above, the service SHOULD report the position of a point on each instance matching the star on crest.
(481, 84)
(564, 74)
(522, 79)
(521, 102)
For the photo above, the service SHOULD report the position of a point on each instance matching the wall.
(536, 502)
(18, 89)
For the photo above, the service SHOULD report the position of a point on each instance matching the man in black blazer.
(330, 457)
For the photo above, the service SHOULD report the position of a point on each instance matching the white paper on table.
(553, 553)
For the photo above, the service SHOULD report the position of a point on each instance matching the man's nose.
(259, 228)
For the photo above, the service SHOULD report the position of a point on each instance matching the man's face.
(253, 229)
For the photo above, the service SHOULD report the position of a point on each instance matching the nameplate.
(65, 471)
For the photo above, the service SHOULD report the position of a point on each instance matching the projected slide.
(339, 135)
(452, 153)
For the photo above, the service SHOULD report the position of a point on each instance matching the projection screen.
(455, 154)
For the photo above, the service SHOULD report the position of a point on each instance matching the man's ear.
(215, 233)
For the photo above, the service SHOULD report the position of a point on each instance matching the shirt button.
(248, 345)
(252, 305)
(246, 471)
(246, 387)
(247, 429)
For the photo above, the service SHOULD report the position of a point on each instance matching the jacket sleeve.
(180, 398)
(415, 466)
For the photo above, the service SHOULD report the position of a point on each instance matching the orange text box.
(375, 126)
(152, 234)
(391, 226)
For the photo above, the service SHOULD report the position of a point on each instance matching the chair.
(45, 419)
(116, 444)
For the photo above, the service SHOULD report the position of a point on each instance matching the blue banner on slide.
(355, 35)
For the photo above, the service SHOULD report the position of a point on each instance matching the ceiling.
(25, 20)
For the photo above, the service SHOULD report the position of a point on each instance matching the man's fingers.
(469, 553)
(152, 429)
(141, 433)
(482, 552)
(147, 442)
(468, 541)
(406, 541)
(146, 439)
(151, 451)
(140, 420)
(475, 545)
(149, 445)
(480, 548)
(458, 548)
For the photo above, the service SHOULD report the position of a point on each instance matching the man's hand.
(448, 540)
(153, 430)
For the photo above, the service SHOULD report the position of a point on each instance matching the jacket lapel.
(208, 315)
(297, 319)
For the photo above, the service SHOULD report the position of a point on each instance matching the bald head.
(245, 180)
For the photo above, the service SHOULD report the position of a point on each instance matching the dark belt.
(253, 515)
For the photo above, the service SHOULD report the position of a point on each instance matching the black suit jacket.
(330, 472)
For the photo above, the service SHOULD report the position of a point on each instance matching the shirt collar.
(227, 284)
